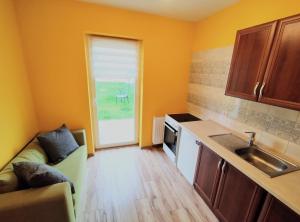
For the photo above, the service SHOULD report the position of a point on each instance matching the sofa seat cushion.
(32, 153)
(74, 167)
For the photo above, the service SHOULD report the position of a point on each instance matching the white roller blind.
(113, 58)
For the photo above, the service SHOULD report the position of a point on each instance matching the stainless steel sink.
(271, 165)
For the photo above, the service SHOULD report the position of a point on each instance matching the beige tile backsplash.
(276, 127)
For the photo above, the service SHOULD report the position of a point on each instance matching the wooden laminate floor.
(132, 184)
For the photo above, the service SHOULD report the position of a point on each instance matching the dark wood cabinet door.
(238, 197)
(275, 211)
(207, 174)
(248, 65)
(282, 78)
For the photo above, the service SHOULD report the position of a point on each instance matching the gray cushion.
(58, 144)
(38, 175)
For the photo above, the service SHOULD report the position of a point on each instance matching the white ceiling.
(190, 10)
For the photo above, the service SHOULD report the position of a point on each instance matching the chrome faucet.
(252, 138)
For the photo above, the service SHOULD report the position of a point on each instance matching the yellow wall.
(52, 32)
(17, 117)
(219, 29)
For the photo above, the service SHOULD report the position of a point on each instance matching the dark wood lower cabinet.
(231, 195)
(238, 197)
(234, 197)
(275, 211)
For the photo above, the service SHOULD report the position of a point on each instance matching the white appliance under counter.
(187, 155)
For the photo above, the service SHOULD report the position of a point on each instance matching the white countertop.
(286, 187)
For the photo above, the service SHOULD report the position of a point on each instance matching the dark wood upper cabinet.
(275, 211)
(265, 64)
(282, 79)
(249, 60)
(238, 197)
(207, 174)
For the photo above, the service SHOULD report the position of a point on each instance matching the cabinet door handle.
(219, 163)
(255, 88)
(223, 167)
(261, 90)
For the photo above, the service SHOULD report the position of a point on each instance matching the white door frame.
(92, 95)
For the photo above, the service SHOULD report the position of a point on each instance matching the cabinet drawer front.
(249, 60)
(207, 174)
(275, 211)
(282, 79)
(238, 197)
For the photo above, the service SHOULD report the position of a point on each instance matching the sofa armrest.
(80, 136)
(47, 204)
